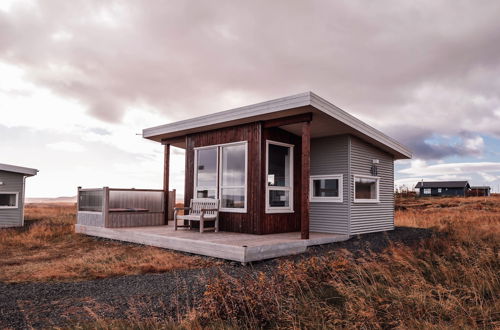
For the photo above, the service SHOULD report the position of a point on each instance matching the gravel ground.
(166, 296)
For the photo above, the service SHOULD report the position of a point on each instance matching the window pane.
(366, 188)
(233, 198)
(207, 167)
(233, 165)
(279, 198)
(7, 199)
(205, 193)
(279, 166)
(326, 188)
(91, 200)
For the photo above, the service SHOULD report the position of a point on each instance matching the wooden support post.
(105, 206)
(166, 173)
(305, 166)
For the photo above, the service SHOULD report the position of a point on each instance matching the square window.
(8, 200)
(326, 188)
(366, 189)
(279, 198)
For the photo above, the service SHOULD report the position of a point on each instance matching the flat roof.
(18, 169)
(441, 184)
(327, 120)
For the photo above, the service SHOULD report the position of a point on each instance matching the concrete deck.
(225, 245)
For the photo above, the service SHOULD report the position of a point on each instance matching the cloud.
(66, 146)
(97, 73)
(435, 72)
(421, 168)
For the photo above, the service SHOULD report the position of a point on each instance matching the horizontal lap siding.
(372, 217)
(12, 182)
(330, 156)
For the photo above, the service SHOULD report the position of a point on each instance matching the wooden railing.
(116, 207)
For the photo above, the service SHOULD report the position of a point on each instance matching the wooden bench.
(201, 210)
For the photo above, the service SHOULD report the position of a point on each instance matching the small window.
(427, 191)
(366, 189)
(439, 190)
(9, 200)
(326, 188)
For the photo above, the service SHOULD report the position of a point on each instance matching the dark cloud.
(426, 144)
(430, 67)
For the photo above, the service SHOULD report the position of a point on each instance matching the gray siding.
(330, 156)
(12, 182)
(372, 217)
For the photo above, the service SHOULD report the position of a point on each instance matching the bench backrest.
(198, 204)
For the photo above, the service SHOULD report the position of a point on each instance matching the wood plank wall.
(255, 220)
(234, 222)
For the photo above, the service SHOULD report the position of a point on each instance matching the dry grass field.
(48, 249)
(448, 279)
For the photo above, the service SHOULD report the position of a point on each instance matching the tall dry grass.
(47, 249)
(450, 280)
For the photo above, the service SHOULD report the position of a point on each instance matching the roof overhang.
(327, 120)
(18, 169)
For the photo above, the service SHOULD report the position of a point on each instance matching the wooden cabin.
(442, 188)
(297, 163)
(12, 186)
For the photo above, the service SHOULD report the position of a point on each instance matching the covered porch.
(238, 247)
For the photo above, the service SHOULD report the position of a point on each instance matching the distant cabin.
(480, 191)
(442, 188)
(12, 184)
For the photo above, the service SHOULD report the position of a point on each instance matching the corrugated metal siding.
(330, 156)
(12, 182)
(372, 217)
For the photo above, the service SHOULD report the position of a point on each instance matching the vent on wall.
(374, 169)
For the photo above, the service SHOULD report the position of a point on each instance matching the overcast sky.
(80, 79)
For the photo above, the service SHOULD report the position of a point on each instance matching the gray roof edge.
(283, 103)
(18, 169)
(348, 119)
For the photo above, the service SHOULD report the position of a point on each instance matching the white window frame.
(195, 178)
(365, 200)
(218, 173)
(245, 186)
(10, 193)
(427, 191)
(270, 209)
(338, 199)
